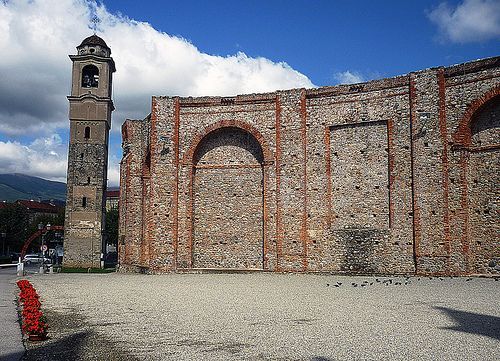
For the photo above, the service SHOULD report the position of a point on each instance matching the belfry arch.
(228, 199)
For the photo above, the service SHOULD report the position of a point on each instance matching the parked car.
(35, 258)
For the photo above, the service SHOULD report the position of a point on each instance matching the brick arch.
(463, 134)
(268, 155)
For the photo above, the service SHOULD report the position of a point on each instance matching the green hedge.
(87, 270)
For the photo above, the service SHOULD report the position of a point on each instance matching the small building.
(112, 199)
(36, 209)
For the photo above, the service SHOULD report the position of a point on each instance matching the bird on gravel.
(468, 279)
(377, 280)
(336, 285)
(327, 285)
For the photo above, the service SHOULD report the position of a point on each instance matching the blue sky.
(213, 48)
(317, 38)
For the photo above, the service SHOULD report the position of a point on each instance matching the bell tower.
(90, 107)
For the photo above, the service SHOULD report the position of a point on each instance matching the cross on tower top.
(95, 20)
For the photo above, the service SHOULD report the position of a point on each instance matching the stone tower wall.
(90, 121)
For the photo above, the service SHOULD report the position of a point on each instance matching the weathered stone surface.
(391, 176)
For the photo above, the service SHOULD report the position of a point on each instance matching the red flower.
(33, 319)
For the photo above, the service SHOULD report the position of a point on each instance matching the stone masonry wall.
(392, 176)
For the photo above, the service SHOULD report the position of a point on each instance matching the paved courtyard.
(267, 317)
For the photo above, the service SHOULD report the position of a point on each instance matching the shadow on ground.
(66, 348)
(474, 323)
(15, 356)
(70, 338)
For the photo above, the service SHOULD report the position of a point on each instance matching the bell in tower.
(90, 107)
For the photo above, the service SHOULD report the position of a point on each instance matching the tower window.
(87, 133)
(84, 202)
(90, 76)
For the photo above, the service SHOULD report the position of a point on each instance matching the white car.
(35, 258)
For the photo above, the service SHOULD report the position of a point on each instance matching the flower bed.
(33, 320)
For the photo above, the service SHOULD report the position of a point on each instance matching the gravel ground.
(267, 317)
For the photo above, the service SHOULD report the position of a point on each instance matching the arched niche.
(483, 191)
(485, 124)
(228, 200)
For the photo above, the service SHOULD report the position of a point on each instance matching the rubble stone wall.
(392, 176)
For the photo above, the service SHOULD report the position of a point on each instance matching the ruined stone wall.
(381, 177)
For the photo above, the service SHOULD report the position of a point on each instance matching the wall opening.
(87, 133)
(90, 76)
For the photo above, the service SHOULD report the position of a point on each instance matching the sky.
(217, 47)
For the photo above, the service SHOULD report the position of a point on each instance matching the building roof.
(38, 206)
(94, 40)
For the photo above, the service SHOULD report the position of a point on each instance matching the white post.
(20, 268)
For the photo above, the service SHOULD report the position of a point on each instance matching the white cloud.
(44, 157)
(348, 77)
(113, 171)
(37, 36)
(469, 21)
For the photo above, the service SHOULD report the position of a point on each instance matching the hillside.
(20, 186)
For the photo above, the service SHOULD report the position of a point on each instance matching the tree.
(111, 227)
(14, 224)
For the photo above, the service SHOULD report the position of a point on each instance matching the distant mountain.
(20, 186)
